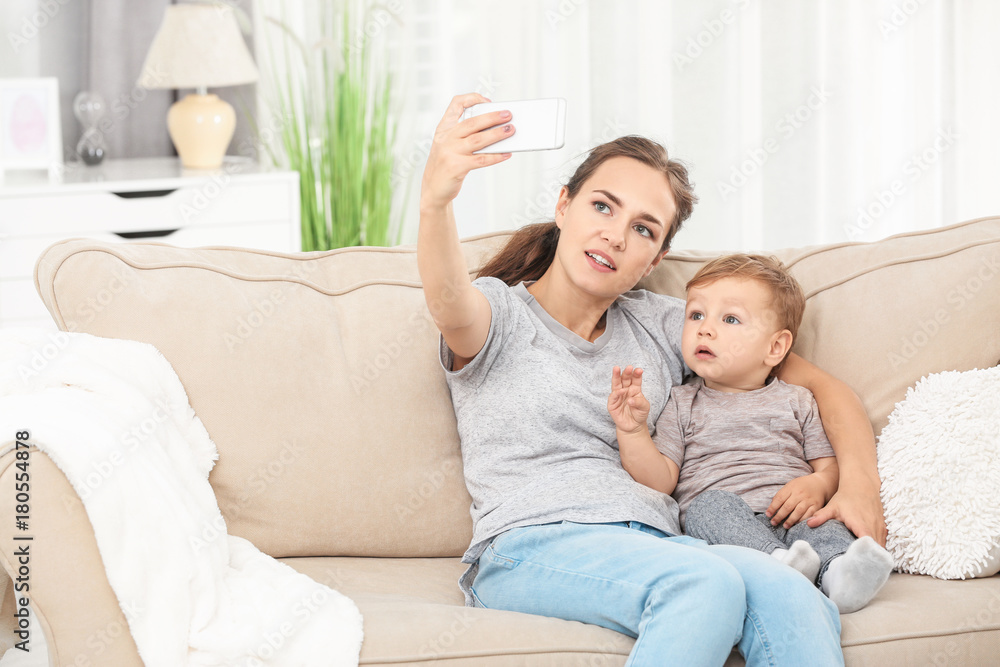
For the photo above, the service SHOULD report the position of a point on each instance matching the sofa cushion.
(939, 460)
(413, 614)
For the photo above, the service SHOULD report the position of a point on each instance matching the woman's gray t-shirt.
(538, 444)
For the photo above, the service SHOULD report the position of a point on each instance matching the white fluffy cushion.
(939, 458)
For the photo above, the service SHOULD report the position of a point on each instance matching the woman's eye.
(644, 230)
(730, 319)
(601, 207)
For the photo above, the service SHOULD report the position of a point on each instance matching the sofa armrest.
(69, 590)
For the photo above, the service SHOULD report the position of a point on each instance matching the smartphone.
(539, 125)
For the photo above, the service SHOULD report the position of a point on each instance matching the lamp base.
(201, 127)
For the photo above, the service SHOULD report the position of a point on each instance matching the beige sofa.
(317, 377)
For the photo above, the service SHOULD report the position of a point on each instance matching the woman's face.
(611, 232)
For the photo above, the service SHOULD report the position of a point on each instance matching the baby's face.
(729, 328)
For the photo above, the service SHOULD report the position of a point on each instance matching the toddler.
(743, 453)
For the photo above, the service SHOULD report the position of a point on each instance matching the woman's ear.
(656, 260)
(781, 343)
(561, 205)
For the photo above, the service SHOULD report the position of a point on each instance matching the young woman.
(559, 528)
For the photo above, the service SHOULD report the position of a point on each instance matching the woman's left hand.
(859, 507)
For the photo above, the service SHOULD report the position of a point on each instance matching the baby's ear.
(781, 343)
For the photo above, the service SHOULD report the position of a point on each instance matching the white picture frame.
(30, 126)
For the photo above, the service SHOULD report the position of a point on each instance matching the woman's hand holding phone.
(452, 155)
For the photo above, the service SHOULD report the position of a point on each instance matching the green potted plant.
(330, 89)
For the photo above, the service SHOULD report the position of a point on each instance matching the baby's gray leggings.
(721, 517)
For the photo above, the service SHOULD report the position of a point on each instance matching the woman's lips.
(600, 261)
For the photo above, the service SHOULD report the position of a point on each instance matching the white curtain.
(803, 121)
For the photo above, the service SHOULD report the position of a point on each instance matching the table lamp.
(199, 46)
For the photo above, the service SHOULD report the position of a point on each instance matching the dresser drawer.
(82, 213)
(19, 254)
(144, 199)
(19, 300)
(261, 236)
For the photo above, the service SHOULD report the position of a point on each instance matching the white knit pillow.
(939, 458)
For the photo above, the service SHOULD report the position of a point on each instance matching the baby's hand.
(626, 404)
(799, 499)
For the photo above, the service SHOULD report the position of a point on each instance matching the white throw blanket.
(114, 417)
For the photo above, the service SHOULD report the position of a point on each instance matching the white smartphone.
(539, 125)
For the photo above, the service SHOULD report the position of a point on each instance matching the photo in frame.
(30, 128)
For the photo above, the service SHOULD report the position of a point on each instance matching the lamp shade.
(198, 46)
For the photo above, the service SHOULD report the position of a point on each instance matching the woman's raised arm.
(460, 311)
(857, 502)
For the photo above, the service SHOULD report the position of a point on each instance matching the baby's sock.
(854, 578)
(800, 556)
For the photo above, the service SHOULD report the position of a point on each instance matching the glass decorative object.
(89, 108)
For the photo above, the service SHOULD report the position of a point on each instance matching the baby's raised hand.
(626, 404)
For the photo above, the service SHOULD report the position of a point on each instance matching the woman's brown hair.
(531, 249)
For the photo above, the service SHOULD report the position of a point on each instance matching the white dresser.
(153, 199)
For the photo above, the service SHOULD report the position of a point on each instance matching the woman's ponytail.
(526, 255)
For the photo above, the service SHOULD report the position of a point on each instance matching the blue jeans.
(685, 602)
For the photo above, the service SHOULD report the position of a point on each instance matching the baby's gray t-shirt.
(750, 443)
(538, 444)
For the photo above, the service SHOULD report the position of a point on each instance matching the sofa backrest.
(316, 374)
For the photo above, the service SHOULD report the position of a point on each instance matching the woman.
(559, 528)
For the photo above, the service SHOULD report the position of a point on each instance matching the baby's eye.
(601, 207)
(731, 319)
(644, 230)
(697, 316)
